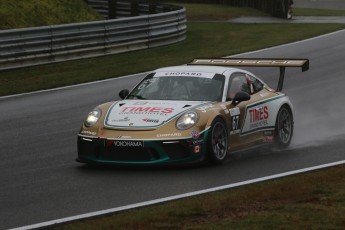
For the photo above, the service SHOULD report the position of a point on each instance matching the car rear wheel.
(217, 142)
(284, 127)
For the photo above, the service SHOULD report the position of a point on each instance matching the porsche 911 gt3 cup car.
(190, 113)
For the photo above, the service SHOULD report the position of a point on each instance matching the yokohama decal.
(120, 143)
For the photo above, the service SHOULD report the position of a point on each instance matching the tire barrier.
(49, 44)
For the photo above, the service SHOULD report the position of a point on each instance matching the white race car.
(190, 113)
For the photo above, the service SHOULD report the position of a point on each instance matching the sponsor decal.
(234, 111)
(268, 133)
(147, 83)
(88, 132)
(121, 119)
(184, 74)
(123, 137)
(140, 103)
(189, 74)
(250, 62)
(268, 139)
(150, 120)
(261, 116)
(258, 117)
(195, 134)
(146, 110)
(204, 108)
(196, 142)
(263, 94)
(120, 143)
(169, 135)
(197, 149)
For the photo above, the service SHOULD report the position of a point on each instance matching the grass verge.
(216, 12)
(314, 200)
(31, 13)
(204, 39)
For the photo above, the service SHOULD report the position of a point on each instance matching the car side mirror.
(239, 97)
(123, 93)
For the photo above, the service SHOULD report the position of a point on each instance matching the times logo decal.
(131, 144)
(146, 110)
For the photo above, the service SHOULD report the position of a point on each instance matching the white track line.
(172, 198)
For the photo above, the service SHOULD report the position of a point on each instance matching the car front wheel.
(217, 142)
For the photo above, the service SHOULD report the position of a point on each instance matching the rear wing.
(256, 62)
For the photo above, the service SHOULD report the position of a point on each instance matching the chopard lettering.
(169, 135)
(196, 74)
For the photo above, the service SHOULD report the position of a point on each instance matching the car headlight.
(93, 117)
(187, 120)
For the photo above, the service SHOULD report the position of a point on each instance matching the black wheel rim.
(284, 126)
(219, 141)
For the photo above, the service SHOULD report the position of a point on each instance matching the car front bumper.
(94, 150)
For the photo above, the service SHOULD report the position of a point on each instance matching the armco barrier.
(48, 44)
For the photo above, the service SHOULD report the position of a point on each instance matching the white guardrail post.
(49, 44)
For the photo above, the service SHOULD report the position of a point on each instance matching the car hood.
(145, 114)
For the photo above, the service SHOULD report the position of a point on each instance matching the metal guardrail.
(49, 44)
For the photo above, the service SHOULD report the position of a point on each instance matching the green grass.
(204, 39)
(31, 13)
(314, 200)
(217, 11)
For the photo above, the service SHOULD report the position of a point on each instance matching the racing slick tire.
(284, 127)
(217, 143)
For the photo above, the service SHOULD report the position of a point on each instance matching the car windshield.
(179, 88)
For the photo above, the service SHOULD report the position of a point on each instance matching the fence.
(48, 44)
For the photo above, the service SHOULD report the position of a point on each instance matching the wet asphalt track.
(40, 180)
(320, 4)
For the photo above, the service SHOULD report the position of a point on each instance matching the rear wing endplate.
(256, 62)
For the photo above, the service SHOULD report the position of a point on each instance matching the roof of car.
(197, 68)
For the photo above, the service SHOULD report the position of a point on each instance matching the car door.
(242, 114)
